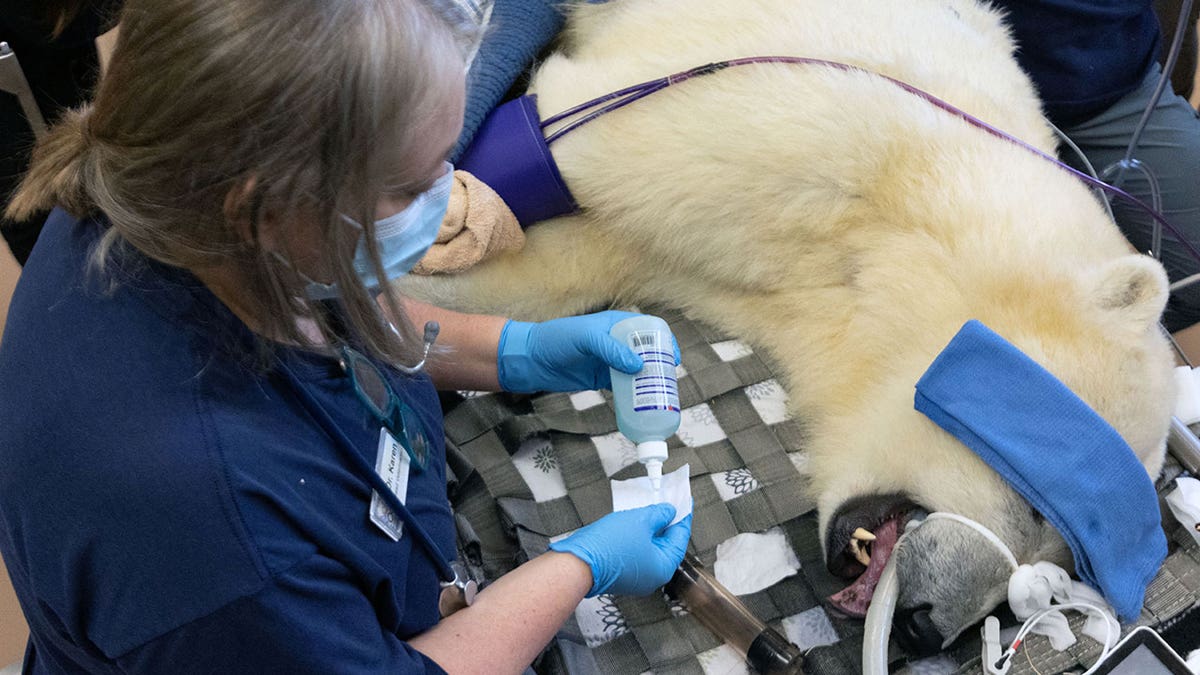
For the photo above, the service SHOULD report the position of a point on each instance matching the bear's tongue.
(855, 598)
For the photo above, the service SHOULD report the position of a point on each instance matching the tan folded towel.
(477, 226)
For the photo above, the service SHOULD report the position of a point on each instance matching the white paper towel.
(636, 492)
(750, 562)
(1187, 394)
(1184, 501)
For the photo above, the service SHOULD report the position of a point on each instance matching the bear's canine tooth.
(863, 534)
(860, 553)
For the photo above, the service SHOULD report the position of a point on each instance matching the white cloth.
(699, 426)
(600, 620)
(615, 451)
(637, 492)
(1184, 501)
(749, 562)
(1042, 585)
(810, 628)
(1187, 394)
(1193, 662)
(538, 465)
(734, 484)
(770, 401)
(722, 660)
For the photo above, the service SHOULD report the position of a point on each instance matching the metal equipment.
(12, 80)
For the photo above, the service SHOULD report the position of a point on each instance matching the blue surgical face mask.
(403, 239)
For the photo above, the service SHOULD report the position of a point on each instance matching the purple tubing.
(638, 91)
(511, 155)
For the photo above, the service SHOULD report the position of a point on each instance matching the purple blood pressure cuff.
(1055, 451)
(510, 155)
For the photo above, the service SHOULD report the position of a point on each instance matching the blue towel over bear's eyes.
(1055, 451)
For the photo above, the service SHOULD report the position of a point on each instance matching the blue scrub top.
(167, 506)
(1082, 55)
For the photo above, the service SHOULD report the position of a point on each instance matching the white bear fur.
(843, 225)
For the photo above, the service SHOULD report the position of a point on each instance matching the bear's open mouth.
(872, 549)
(861, 537)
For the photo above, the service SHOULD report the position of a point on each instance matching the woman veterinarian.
(211, 462)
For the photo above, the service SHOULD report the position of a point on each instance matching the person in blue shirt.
(55, 44)
(218, 454)
(1095, 66)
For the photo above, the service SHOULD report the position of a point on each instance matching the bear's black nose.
(914, 632)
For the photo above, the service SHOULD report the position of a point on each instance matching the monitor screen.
(1141, 661)
(1142, 652)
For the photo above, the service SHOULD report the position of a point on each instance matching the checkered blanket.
(526, 470)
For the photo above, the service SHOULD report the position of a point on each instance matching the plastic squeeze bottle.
(647, 402)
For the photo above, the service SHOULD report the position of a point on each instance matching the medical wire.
(1156, 239)
(1151, 179)
(1128, 161)
(1156, 236)
(879, 614)
(1155, 191)
(1115, 173)
(1155, 197)
(1037, 616)
(1163, 81)
(877, 628)
(1110, 641)
(1119, 167)
(1029, 660)
(1087, 165)
(623, 97)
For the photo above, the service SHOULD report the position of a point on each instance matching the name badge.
(391, 463)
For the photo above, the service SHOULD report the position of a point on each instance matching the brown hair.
(62, 12)
(305, 105)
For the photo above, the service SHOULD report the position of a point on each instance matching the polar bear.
(848, 228)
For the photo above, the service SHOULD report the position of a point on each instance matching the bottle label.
(654, 387)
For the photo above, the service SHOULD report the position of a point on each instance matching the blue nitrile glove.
(569, 354)
(629, 551)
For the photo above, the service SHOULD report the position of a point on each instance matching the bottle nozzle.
(653, 454)
(654, 471)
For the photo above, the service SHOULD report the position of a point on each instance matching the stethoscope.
(458, 590)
